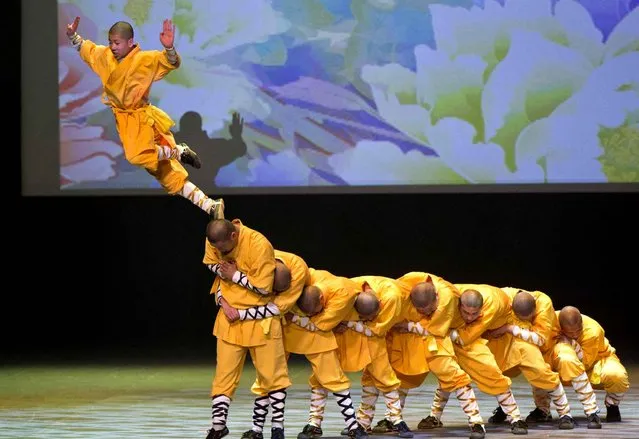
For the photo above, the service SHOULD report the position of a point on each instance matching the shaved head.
(219, 230)
(472, 299)
(310, 299)
(282, 280)
(524, 304)
(222, 234)
(123, 29)
(423, 294)
(569, 316)
(367, 304)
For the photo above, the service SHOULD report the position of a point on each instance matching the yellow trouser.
(269, 360)
(478, 361)
(606, 374)
(327, 373)
(443, 365)
(379, 374)
(140, 131)
(515, 356)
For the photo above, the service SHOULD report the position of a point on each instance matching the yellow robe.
(300, 277)
(437, 325)
(255, 257)
(338, 296)
(141, 126)
(357, 351)
(514, 355)
(544, 320)
(474, 356)
(495, 312)
(413, 356)
(597, 358)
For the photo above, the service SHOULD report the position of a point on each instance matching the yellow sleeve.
(389, 315)
(544, 321)
(439, 324)
(468, 333)
(91, 52)
(299, 279)
(262, 271)
(210, 255)
(336, 310)
(163, 64)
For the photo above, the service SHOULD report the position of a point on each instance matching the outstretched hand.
(73, 27)
(167, 36)
(237, 124)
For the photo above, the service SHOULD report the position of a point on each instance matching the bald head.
(569, 316)
(472, 299)
(123, 29)
(367, 304)
(310, 301)
(423, 294)
(282, 280)
(219, 230)
(222, 234)
(524, 305)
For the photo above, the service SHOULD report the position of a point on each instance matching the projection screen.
(348, 95)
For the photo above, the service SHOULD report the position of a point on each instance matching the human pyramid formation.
(395, 331)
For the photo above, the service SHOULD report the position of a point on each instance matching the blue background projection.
(371, 92)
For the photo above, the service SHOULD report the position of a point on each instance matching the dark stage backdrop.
(101, 278)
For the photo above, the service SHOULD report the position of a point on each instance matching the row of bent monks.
(395, 332)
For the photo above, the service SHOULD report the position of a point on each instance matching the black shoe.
(384, 426)
(612, 413)
(189, 157)
(566, 422)
(429, 422)
(519, 427)
(346, 431)
(277, 433)
(217, 210)
(402, 429)
(477, 431)
(594, 422)
(538, 416)
(498, 416)
(310, 432)
(251, 434)
(358, 432)
(217, 434)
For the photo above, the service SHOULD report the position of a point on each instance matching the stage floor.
(168, 401)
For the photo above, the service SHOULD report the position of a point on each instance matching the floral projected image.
(369, 92)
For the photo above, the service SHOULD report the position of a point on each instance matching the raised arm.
(89, 51)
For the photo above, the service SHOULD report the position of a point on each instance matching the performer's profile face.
(572, 331)
(469, 314)
(225, 246)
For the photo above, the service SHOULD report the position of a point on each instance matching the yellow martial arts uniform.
(285, 301)
(472, 350)
(314, 338)
(317, 341)
(412, 355)
(359, 352)
(255, 257)
(522, 353)
(590, 353)
(141, 126)
(369, 352)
